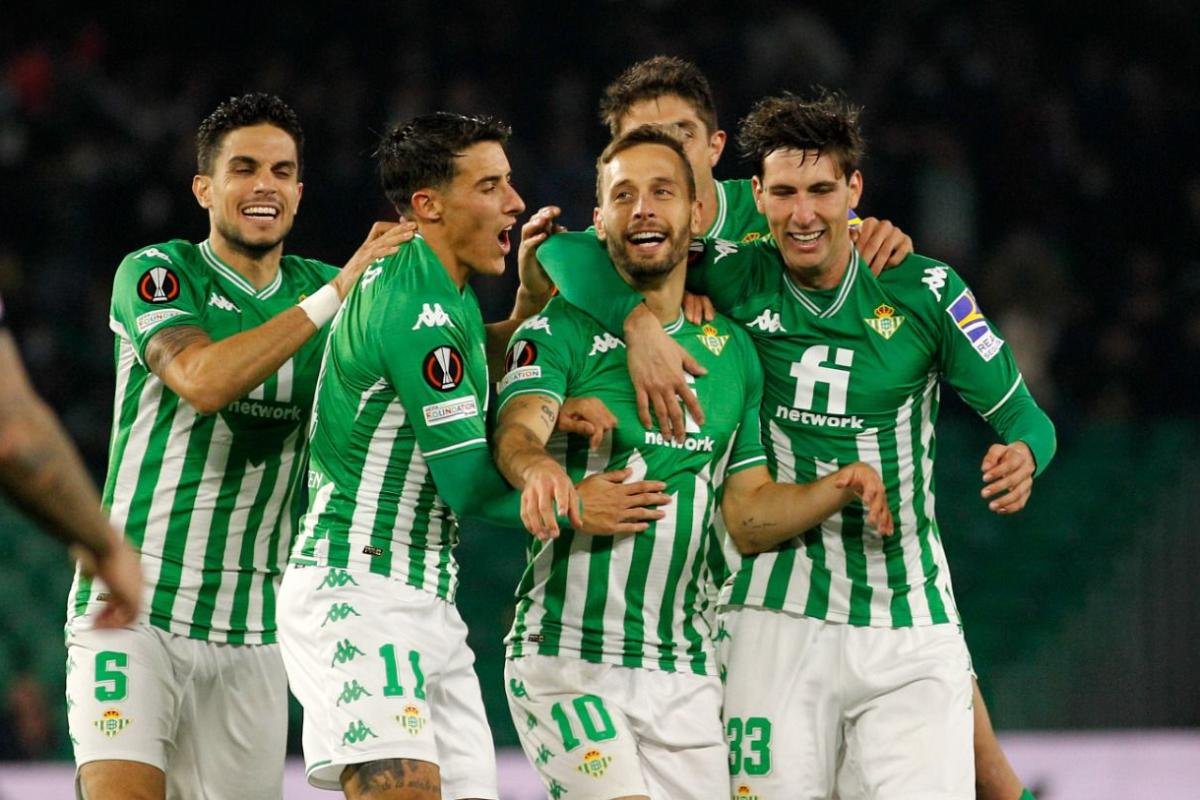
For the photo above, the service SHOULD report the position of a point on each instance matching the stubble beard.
(253, 250)
(647, 274)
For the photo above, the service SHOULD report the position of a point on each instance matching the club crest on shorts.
(411, 720)
(112, 723)
(594, 763)
(885, 323)
(711, 338)
(443, 368)
(158, 285)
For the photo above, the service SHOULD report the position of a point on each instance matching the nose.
(264, 181)
(515, 204)
(803, 211)
(644, 208)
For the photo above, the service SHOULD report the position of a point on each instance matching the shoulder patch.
(158, 285)
(971, 322)
(450, 410)
(443, 368)
(146, 321)
(523, 353)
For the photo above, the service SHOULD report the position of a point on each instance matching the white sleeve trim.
(744, 462)
(458, 446)
(1004, 399)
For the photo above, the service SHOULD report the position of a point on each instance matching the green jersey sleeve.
(539, 355)
(579, 265)
(726, 272)
(748, 450)
(152, 292)
(982, 369)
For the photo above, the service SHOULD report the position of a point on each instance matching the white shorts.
(597, 731)
(875, 712)
(383, 671)
(212, 716)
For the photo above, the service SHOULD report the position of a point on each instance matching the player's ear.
(856, 187)
(716, 146)
(696, 217)
(598, 221)
(202, 189)
(757, 186)
(299, 195)
(427, 205)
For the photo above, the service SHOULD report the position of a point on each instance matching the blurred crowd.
(1046, 154)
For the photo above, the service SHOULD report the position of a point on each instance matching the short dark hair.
(657, 77)
(422, 151)
(827, 123)
(255, 108)
(646, 134)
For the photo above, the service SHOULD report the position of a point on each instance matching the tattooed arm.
(41, 471)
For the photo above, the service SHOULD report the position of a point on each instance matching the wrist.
(640, 317)
(529, 302)
(322, 304)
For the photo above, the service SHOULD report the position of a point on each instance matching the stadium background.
(1047, 154)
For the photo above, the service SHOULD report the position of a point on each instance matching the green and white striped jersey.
(853, 375)
(210, 501)
(404, 381)
(638, 600)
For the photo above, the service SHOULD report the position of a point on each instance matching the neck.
(823, 276)
(435, 236)
(259, 269)
(706, 193)
(665, 297)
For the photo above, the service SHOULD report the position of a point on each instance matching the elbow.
(205, 400)
(743, 539)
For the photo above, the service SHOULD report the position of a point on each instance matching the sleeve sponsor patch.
(152, 318)
(450, 411)
(522, 354)
(518, 374)
(443, 368)
(970, 320)
(158, 285)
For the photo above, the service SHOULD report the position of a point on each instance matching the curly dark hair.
(657, 77)
(422, 151)
(254, 108)
(646, 134)
(827, 123)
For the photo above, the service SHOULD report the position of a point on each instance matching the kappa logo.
(433, 317)
(536, 323)
(723, 248)
(443, 368)
(768, 322)
(224, 303)
(371, 274)
(154, 252)
(158, 285)
(602, 344)
(935, 279)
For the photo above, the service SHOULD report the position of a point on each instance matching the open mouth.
(261, 213)
(806, 239)
(646, 241)
(505, 240)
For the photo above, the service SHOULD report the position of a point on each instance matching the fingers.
(574, 424)
(379, 229)
(991, 458)
(643, 407)
(710, 311)
(616, 476)
(693, 308)
(1009, 478)
(691, 364)
(669, 414)
(641, 487)
(871, 240)
(898, 247)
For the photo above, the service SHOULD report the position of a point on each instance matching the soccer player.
(217, 350)
(852, 364)
(40, 470)
(375, 650)
(612, 677)
(668, 90)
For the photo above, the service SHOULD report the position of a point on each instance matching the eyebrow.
(491, 178)
(253, 162)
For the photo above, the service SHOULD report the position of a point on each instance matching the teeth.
(805, 237)
(648, 236)
(260, 211)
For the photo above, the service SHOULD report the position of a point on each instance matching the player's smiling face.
(647, 218)
(806, 201)
(255, 189)
(703, 147)
(480, 208)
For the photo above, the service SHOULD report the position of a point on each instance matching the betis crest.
(885, 323)
(112, 723)
(411, 720)
(744, 792)
(710, 337)
(594, 763)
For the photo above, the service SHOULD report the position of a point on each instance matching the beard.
(647, 274)
(240, 244)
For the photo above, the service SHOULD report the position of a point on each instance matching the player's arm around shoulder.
(976, 360)
(211, 374)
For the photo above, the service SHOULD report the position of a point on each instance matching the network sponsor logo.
(259, 410)
(704, 444)
(818, 420)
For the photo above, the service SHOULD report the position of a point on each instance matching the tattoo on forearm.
(549, 415)
(166, 344)
(374, 777)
